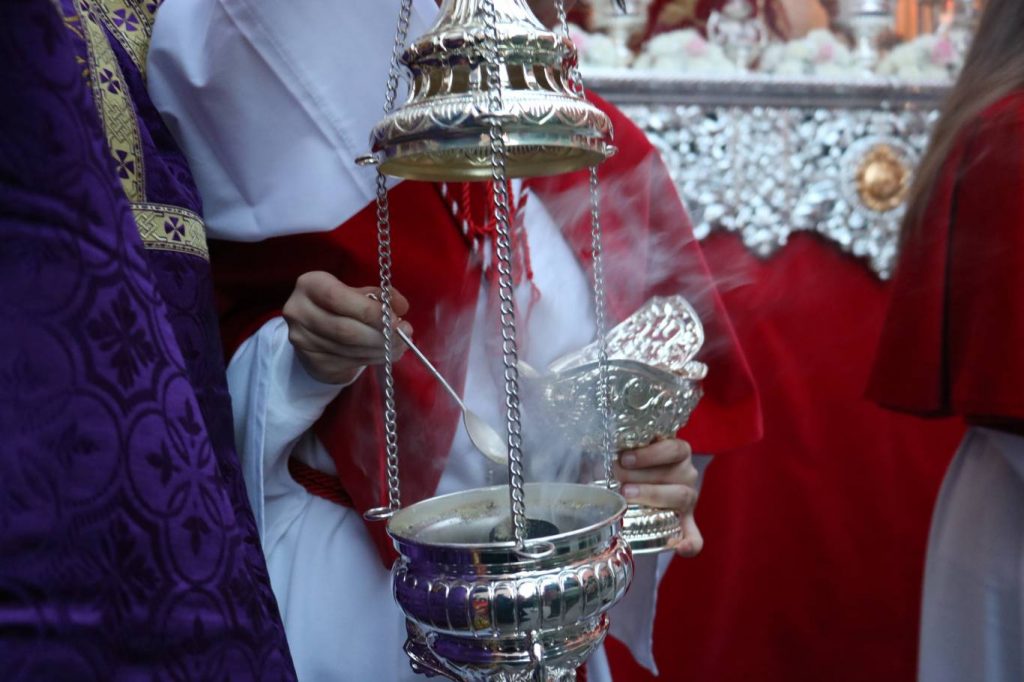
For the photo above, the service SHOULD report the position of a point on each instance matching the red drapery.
(814, 547)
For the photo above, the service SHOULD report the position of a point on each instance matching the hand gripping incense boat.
(654, 386)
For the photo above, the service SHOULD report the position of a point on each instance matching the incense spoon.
(483, 436)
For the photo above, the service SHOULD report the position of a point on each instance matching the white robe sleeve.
(247, 86)
(275, 402)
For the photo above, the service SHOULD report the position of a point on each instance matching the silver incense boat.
(654, 387)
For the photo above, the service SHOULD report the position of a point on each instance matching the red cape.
(650, 250)
(815, 535)
(955, 327)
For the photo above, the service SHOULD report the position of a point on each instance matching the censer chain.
(575, 79)
(506, 292)
(601, 324)
(384, 266)
(600, 306)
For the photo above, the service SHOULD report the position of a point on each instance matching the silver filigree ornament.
(769, 157)
(655, 385)
(740, 30)
(876, 175)
(665, 334)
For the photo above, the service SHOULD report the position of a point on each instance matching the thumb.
(692, 541)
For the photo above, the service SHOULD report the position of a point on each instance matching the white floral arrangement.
(594, 49)
(929, 57)
(819, 53)
(684, 51)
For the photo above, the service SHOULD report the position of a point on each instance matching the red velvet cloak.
(815, 535)
(815, 552)
(953, 342)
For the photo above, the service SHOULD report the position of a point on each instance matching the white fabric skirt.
(971, 626)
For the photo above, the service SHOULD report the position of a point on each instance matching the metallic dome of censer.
(441, 132)
(489, 593)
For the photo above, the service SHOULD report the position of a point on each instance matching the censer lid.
(665, 333)
(442, 132)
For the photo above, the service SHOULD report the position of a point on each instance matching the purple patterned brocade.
(127, 548)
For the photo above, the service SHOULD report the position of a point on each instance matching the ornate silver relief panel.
(765, 157)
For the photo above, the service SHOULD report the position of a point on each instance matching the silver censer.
(489, 593)
(480, 610)
(655, 386)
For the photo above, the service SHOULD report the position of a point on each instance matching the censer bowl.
(647, 403)
(481, 610)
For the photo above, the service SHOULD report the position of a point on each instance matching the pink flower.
(698, 47)
(826, 52)
(943, 51)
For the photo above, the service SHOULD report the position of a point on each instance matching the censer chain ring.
(600, 305)
(384, 265)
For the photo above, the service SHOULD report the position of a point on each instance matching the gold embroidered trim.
(131, 24)
(170, 228)
(161, 227)
(115, 106)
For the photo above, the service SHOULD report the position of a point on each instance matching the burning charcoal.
(535, 528)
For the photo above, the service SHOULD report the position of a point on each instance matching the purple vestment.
(127, 547)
